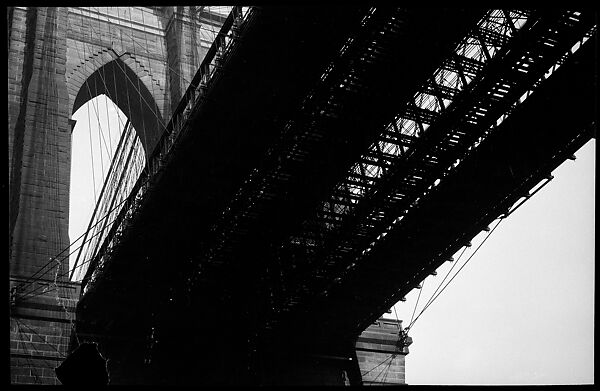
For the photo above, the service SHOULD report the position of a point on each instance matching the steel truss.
(499, 61)
(323, 198)
(209, 70)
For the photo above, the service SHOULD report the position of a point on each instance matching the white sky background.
(111, 124)
(521, 311)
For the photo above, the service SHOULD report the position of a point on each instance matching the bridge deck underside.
(227, 136)
(272, 140)
(545, 130)
(416, 247)
(240, 126)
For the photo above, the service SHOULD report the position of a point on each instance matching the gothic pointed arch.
(123, 86)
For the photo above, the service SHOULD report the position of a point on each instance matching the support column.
(42, 302)
(186, 36)
(39, 140)
(381, 353)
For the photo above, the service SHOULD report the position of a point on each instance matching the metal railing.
(125, 168)
(208, 72)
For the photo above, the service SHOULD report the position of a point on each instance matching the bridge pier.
(215, 361)
(39, 159)
(253, 257)
(207, 346)
(309, 370)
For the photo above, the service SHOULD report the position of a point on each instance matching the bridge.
(321, 162)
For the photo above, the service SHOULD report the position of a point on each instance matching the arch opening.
(107, 156)
(122, 85)
(117, 124)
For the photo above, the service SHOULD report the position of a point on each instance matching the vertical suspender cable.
(101, 195)
(147, 154)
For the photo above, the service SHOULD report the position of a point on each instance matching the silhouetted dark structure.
(84, 367)
(320, 164)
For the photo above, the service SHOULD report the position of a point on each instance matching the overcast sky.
(521, 311)
(105, 133)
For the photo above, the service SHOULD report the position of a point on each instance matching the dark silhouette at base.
(85, 366)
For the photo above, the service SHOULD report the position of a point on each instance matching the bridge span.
(242, 225)
(322, 162)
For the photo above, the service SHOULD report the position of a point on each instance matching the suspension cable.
(92, 155)
(417, 302)
(28, 282)
(100, 133)
(110, 20)
(144, 181)
(446, 276)
(43, 339)
(151, 83)
(132, 83)
(378, 365)
(29, 294)
(106, 87)
(22, 340)
(388, 368)
(124, 175)
(54, 120)
(458, 271)
(20, 336)
(123, 136)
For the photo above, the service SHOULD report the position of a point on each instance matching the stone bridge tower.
(58, 59)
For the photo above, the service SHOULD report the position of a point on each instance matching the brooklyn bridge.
(285, 175)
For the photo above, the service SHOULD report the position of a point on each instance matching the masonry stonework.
(58, 59)
(142, 58)
(41, 332)
(380, 357)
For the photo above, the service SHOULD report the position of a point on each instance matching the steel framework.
(370, 164)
